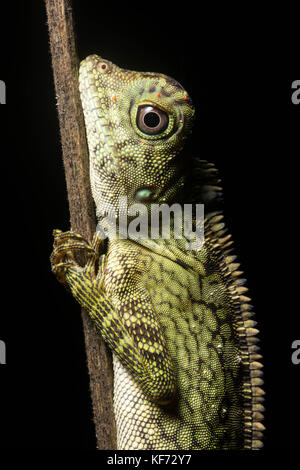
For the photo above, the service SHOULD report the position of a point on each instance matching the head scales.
(123, 159)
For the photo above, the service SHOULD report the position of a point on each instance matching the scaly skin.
(186, 370)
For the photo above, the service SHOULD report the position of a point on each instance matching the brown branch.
(76, 162)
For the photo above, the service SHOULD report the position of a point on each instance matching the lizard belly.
(136, 416)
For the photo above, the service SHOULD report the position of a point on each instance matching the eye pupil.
(151, 119)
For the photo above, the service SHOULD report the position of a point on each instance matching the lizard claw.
(66, 246)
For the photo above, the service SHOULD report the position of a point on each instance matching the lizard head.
(136, 124)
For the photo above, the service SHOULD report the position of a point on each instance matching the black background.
(246, 124)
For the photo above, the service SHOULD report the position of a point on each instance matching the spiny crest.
(220, 241)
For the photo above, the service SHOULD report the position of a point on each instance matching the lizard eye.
(103, 67)
(151, 120)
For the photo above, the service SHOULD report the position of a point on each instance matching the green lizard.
(187, 370)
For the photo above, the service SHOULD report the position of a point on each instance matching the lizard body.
(187, 370)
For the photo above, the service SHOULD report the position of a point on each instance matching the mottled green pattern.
(200, 338)
(187, 370)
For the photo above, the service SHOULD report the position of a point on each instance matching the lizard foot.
(66, 246)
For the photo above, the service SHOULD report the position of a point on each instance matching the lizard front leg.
(125, 318)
